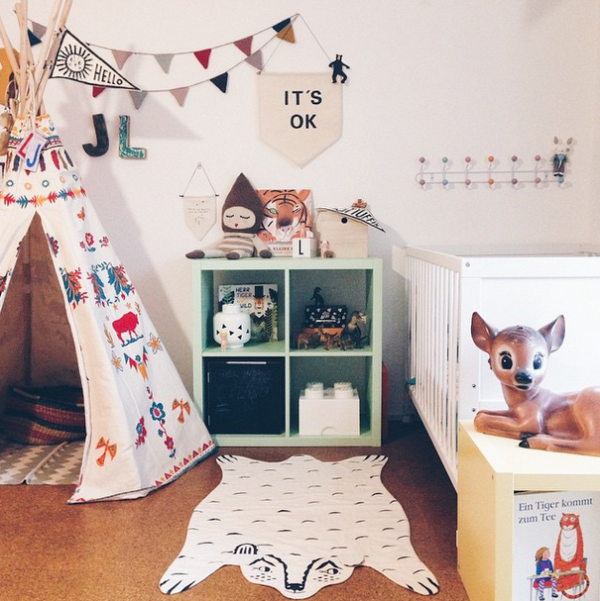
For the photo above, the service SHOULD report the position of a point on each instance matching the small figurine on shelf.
(352, 336)
(317, 297)
(324, 249)
(326, 338)
(223, 336)
(241, 220)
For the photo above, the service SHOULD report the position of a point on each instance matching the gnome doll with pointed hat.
(241, 219)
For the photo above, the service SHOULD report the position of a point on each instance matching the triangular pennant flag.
(282, 25)
(138, 97)
(221, 81)
(287, 34)
(33, 39)
(180, 95)
(121, 57)
(164, 60)
(97, 90)
(38, 29)
(203, 57)
(76, 61)
(245, 45)
(256, 60)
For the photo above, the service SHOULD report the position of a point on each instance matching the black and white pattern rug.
(299, 525)
(40, 464)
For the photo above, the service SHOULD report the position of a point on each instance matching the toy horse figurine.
(569, 423)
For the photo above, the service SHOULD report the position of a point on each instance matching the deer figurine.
(540, 418)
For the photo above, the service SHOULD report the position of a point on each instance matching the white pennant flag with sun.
(76, 61)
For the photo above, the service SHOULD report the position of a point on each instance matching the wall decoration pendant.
(300, 114)
(199, 211)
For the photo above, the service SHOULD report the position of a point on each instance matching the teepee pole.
(12, 57)
(25, 83)
(53, 50)
(48, 39)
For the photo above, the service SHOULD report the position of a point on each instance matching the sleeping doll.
(241, 219)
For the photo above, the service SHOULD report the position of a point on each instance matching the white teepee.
(142, 428)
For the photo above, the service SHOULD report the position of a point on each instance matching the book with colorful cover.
(556, 545)
(260, 302)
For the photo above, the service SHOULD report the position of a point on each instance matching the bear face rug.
(299, 525)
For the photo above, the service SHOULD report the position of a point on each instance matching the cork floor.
(117, 551)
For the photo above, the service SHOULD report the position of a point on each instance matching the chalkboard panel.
(245, 397)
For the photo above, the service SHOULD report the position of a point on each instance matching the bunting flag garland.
(78, 62)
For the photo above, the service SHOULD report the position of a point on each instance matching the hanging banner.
(300, 114)
(200, 214)
(75, 60)
(200, 211)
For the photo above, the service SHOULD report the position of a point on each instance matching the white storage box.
(450, 376)
(329, 412)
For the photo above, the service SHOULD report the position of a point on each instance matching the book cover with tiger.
(556, 545)
(287, 214)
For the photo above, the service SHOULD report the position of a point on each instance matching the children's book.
(260, 302)
(556, 545)
(287, 214)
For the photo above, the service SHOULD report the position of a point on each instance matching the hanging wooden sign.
(300, 113)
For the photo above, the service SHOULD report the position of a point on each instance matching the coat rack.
(540, 172)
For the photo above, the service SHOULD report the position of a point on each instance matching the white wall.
(427, 78)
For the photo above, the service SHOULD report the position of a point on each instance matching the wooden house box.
(344, 233)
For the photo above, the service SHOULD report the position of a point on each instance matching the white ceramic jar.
(231, 327)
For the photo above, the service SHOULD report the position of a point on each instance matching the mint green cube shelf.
(356, 283)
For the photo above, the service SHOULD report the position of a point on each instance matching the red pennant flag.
(203, 57)
(96, 91)
(244, 45)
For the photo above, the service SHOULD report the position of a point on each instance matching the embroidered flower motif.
(89, 241)
(53, 242)
(141, 432)
(157, 412)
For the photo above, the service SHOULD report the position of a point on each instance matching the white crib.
(450, 379)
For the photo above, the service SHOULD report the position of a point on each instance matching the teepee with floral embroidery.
(69, 313)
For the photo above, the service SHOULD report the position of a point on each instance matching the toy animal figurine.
(319, 302)
(560, 158)
(352, 336)
(542, 419)
(338, 69)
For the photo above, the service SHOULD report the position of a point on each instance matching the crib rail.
(433, 296)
